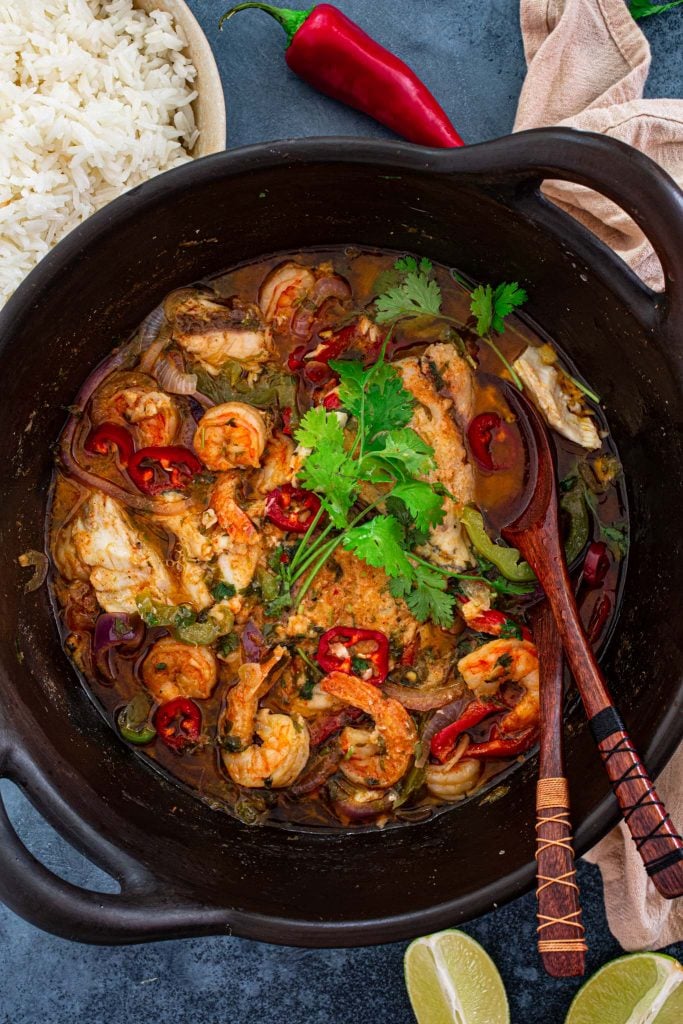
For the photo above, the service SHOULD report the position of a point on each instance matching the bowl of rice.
(96, 96)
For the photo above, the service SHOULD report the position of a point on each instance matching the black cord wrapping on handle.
(603, 725)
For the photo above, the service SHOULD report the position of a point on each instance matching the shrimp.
(230, 435)
(213, 332)
(453, 781)
(284, 287)
(278, 760)
(383, 754)
(255, 680)
(278, 465)
(135, 401)
(240, 546)
(501, 661)
(282, 752)
(120, 560)
(173, 669)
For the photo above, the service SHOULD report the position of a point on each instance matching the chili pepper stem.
(291, 21)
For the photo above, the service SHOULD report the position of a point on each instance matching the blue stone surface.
(470, 53)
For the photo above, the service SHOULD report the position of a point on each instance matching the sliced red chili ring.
(178, 723)
(335, 653)
(480, 435)
(596, 563)
(163, 468)
(101, 440)
(292, 508)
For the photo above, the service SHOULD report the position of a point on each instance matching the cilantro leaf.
(506, 297)
(481, 306)
(329, 469)
(418, 294)
(424, 591)
(426, 597)
(403, 451)
(318, 426)
(414, 536)
(422, 501)
(375, 396)
(643, 9)
(490, 306)
(379, 542)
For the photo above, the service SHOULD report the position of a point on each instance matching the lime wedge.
(643, 988)
(452, 980)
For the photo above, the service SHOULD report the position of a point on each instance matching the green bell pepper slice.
(506, 560)
(573, 502)
(133, 720)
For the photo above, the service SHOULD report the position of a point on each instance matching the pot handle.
(623, 174)
(141, 912)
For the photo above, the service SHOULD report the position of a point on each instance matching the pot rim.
(513, 160)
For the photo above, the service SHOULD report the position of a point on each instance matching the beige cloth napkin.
(587, 65)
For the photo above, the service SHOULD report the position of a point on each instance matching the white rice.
(94, 99)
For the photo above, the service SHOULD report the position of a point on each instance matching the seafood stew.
(273, 536)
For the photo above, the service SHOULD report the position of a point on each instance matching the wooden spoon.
(535, 532)
(560, 929)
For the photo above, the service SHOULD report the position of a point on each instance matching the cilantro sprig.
(411, 292)
(371, 485)
(490, 306)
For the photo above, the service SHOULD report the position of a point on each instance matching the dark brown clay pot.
(183, 869)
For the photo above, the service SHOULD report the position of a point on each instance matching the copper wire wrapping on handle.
(555, 793)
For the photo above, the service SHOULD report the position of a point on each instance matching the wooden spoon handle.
(560, 929)
(650, 826)
(656, 839)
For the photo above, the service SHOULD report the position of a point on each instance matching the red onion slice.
(439, 720)
(421, 700)
(333, 286)
(171, 377)
(319, 770)
(114, 629)
(253, 642)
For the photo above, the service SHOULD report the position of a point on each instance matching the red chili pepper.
(480, 435)
(178, 723)
(348, 637)
(295, 359)
(476, 711)
(596, 564)
(501, 746)
(500, 624)
(287, 421)
(101, 439)
(338, 58)
(292, 508)
(162, 468)
(598, 619)
(332, 401)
